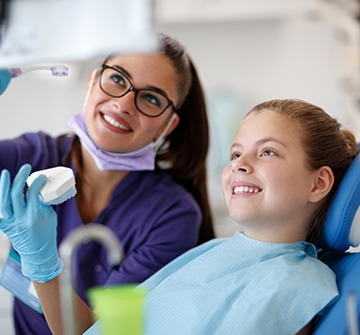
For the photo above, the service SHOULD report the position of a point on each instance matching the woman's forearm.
(49, 296)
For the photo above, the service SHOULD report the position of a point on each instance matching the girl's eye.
(268, 152)
(235, 155)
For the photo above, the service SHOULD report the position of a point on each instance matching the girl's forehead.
(269, 124)
(269, 120)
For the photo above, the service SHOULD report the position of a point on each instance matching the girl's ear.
(323, 182)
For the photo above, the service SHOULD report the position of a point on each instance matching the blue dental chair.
(342, 230)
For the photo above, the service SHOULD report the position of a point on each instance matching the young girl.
(139, 157)
(286, 162)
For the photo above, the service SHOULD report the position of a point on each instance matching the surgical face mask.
(139, 160)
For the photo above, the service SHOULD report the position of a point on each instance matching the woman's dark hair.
(325, 143)
(187, 146)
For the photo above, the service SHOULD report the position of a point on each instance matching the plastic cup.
(120, 309)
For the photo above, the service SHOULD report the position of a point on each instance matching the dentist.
(139, 156)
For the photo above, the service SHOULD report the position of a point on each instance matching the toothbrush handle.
(5, 78)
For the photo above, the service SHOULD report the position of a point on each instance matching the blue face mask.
(139, 160)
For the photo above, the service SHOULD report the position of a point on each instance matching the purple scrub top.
(154, 217)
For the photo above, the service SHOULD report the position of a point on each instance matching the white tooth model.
(59, 187)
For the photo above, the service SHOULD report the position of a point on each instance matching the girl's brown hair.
(325, 143)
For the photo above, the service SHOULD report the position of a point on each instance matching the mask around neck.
(139, 160)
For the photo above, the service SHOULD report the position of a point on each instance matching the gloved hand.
(5, 78)
(30, 225)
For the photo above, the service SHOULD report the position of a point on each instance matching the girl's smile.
(244, 188)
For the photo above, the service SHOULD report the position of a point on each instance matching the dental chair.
(342, 231)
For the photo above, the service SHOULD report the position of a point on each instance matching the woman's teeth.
(114, 123)
(245, 189)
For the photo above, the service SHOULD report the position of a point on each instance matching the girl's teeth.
(245, 189)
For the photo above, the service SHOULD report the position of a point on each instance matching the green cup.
(120, 309)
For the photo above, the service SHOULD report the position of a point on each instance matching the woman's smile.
(115, 123)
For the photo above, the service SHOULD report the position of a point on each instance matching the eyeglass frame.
(132, 88)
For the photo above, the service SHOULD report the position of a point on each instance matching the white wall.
(246, 62)
(262, 60)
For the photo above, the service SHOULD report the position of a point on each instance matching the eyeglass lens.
(148, 102)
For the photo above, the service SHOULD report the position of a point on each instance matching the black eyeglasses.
(148, 102)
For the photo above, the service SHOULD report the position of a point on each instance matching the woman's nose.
(126, 103)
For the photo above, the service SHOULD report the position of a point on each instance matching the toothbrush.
(59, 70)
(5, 78)
(6, 74)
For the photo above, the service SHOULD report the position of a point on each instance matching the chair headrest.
(342, 223)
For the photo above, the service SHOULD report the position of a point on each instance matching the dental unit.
(98, 233)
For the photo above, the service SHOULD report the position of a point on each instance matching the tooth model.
(59, 187)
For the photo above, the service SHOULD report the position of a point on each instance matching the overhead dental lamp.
(38, 31)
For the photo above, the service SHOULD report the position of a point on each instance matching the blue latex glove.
(5, 78)
(30, 225)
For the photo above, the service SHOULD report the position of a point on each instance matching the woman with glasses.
(138, 154)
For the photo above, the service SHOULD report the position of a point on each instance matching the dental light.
(38, 31)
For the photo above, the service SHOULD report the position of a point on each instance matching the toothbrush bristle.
(60, 71)
(16, 72)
